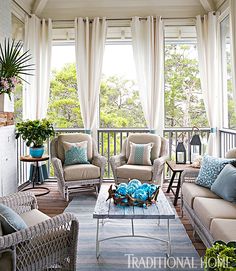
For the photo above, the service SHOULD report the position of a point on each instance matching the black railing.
(227, 140)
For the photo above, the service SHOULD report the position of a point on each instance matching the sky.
(118, 59)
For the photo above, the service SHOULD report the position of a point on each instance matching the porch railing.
(109, 142)
(227, 140)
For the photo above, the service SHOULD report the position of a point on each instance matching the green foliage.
(34, 132)
(220, 257)
(13, 61)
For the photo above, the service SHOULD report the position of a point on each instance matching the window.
(184, 106)
(18, 35)
(64, 106)
(120, 104)
(229, 114)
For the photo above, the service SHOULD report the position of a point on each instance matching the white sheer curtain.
(147, 40)
(232, 5)
(39, 42)
(207, 54)
(90, 37)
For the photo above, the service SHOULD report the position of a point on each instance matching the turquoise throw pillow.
(210, 169)
(225, 184)
(10, 220)
(75, 153)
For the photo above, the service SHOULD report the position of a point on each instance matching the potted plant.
(220, 257)
(13, 65)
(35, 133)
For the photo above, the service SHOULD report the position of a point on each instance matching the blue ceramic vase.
(36, 152)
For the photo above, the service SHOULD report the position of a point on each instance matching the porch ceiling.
(69, 9)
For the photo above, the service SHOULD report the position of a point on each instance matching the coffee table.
(108, 210)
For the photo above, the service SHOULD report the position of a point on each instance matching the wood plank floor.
(53, 204)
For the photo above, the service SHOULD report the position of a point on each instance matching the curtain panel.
(147, 41)
(207, 55)
(90, 37)
(36, 94)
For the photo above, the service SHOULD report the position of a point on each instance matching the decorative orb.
(135, 182)
(144, 205)
(152, 189)
(145, 187)
(141, 195)
(122, 190)
(131, 189)
(125, 200)
(122, 184)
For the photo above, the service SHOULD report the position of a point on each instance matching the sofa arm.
(158, 167)
(100, 161)
(54, 238)
(20, 202)
(189, 175)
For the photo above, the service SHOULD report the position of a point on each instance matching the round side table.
(35, 173)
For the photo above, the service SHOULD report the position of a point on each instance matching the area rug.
(130, 253)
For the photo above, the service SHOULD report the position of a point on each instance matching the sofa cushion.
(223, 229)
(143, 173)
(144, 138)
(210, 169)
(81, 172)
(10, 220)
(191, 190)
(34, 217)
(207, 209)
(140, 154)
(76, 153)
(225, 184)
(72, 138)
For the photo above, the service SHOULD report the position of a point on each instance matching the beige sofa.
(211, 217)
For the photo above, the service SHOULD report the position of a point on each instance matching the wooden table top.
(107, 209)
(28, 158)
(179, 167)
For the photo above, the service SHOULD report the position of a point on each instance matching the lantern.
(195, 145)
(180, 151)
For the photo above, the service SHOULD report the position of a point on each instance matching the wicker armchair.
(76, 178)
(50, 243)
(123, 172)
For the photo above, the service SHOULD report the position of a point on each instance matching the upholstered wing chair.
(75, 178)
(122, 171)
(44, 244)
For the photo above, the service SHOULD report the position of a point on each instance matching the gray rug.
(130, 253)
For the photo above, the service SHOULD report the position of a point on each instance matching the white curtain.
(232, 5)
(90, 37)
(39, 42)
(147, 40)
(207, 55)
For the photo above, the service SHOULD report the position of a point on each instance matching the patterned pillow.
(75, 153)
(210, 169)
(140, 154)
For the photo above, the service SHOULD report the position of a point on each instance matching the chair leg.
(67, 194)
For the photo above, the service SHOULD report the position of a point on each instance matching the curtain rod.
(19, 6)
(127, 19)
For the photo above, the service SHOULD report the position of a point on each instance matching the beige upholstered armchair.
(44, 244)
(75, 178)
(122, 171)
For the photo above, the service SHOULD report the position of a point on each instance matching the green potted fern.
(35, 133)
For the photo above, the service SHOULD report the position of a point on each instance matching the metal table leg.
(169, 239)
(97, 240)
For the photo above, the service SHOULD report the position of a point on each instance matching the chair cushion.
(76, 153)
(140, 154)
(81, 172)
(231, 154)
(143, 173)
(73, 138)
(225, 184)
(6, 262)
(191, 190)
(144, 138)
(34, 217)
(10, 220)
(207, 209)
(210, 169)
(223, 229)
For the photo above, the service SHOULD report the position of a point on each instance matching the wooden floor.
(53, 204)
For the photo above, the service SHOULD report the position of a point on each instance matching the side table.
(176, 168)
(35, 174)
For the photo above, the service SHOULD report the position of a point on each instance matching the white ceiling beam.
(208, 5)
(39, 6)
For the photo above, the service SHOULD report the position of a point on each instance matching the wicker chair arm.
(66, 221)
(20, 202)
(189, 175)
(99, 161)
(58, 169)
(117, 161)
(158, 166)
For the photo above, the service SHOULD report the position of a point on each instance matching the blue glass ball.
(145, 187)
(135, 182)
(131, 189)
(152, 189)
(140, 194)
(122, 190)
(122, 184)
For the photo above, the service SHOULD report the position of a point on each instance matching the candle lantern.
(195, 145)
(180, 150)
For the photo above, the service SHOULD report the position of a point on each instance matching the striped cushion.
(140, 154)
